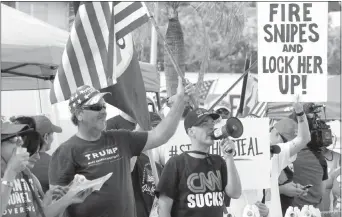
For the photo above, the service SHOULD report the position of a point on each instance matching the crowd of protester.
(193, 183)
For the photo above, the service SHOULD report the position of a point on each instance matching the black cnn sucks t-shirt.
(196, 185)
(94, 159)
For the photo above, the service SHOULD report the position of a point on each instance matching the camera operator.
(310, 167)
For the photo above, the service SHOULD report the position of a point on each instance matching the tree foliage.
(334, 50)
(225, 56)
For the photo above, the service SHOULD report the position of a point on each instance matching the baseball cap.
(9, 130)
(287, 128)
(85, 95)
(44, 125)
(196, 116)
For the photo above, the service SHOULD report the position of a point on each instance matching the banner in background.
(292, 54)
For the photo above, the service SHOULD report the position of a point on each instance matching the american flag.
(92, 53)
(204, 90)
(254, 108)
(259, 109)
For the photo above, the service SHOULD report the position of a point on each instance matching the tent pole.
(40, 98)
(158, 100)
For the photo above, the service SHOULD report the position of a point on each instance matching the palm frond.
(227, 17)
(206, 55)
(173, 4)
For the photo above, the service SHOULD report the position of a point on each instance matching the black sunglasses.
(95, 107)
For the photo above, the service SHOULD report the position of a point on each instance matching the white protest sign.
(292, 51)
(252, 151)
(176, 145)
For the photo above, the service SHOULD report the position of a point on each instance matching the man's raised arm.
(303, 136)
(167, 127)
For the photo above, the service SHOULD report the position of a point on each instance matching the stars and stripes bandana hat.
(84, 95)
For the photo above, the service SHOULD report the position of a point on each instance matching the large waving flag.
(100, 53)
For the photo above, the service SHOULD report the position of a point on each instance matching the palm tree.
(226, 17)
(73, 8)
(175, 41)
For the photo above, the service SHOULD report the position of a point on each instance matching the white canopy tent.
(29, 47)
(31, 51)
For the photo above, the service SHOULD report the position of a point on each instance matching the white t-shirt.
(279, 162)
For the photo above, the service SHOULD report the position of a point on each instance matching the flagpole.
(244, 86)
(154, 39)
(237, 81)
(168, 51)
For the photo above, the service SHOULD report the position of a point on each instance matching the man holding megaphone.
(195, 182)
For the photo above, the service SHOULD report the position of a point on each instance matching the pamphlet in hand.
(77, 187)
(80, 183)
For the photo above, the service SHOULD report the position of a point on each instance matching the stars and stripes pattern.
(81, 95)
(253, 108)
(259, 109)
(204, 90)
(92, 53)
(129, 16)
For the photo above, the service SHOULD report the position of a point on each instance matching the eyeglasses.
(95, 107)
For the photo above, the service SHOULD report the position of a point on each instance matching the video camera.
(321, 135)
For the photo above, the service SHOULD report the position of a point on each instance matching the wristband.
(7, 183)
(300, 114)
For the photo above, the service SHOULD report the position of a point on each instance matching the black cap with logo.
(196, 116)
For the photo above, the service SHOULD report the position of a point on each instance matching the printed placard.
(292, 51)
(252, 153)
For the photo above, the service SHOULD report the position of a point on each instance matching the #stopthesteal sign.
(292, 51)
(252, 153)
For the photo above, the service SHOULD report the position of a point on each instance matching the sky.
(335, 18)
